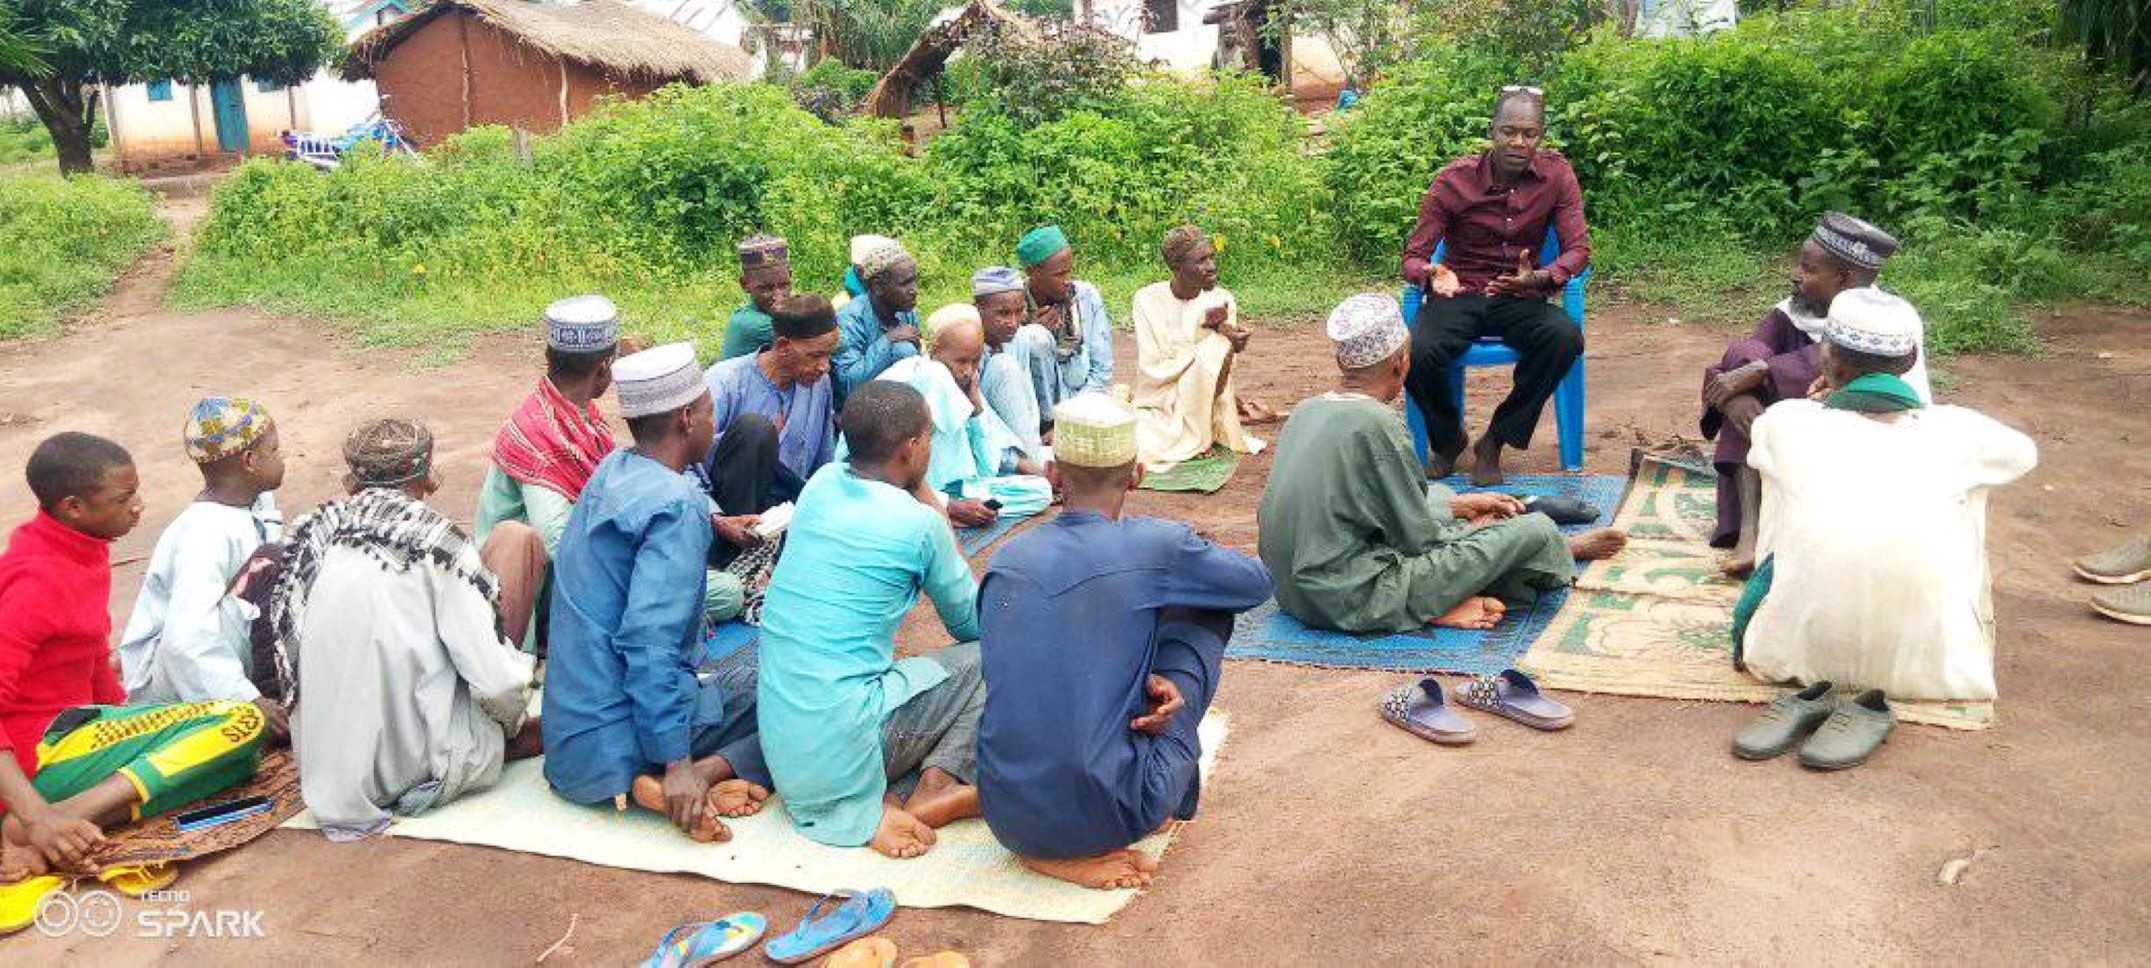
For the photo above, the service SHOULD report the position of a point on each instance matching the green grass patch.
(63, 242)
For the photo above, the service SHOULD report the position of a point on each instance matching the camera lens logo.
(95, 913)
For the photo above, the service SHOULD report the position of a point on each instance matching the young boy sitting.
(77, 760)
(189, 639)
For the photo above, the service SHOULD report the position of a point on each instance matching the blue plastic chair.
(1568, 398)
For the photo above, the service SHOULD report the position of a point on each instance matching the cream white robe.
(1182, 406)
(1877, 528)
(407, 692)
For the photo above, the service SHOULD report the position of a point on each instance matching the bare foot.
(648, 792)
(1254, 413)
(1594, 545)
(529, 742)
(18, 860)
(1738, 566)
(941, 799)
(1476, 612)
(1486, 462)
(1440, 465)
(901, 835)
(1108, 871)
(737, 798)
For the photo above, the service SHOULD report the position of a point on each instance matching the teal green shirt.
(857, 556)
(750, 330)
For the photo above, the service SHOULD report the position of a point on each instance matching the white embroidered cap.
(657, 380)
(1367, 328)
(1093, 430)
(1871, 321)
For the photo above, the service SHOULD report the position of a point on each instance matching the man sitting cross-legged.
(1187, 336)
(542, 457)
(1359, 542)
(841, 715)
(623, 702)
(1102, 639)
(74, 759)
(388, 625)
(775, 427)
(975, 453)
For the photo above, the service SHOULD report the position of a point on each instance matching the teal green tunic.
(750, 330)
(1358, 541)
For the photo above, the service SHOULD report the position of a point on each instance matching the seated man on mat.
(1493, 210)
(1356, 538)
(387, 623)
(765, 272)
(975, 454)
(630, 695)
(74, 758)
(543, 456)
(997, 294)
(1781, 360)
(1187, 335)
(1103, 639)
(1873, 541)
(841, 714)
(775, 426)
(189, 639)
(1066, 343)
(881, 326)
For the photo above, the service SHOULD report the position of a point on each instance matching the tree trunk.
(67, 115)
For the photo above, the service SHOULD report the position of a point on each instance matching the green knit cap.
(1040, 244)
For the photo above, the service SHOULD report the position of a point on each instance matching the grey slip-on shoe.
(1785, 722)
(1851, 734)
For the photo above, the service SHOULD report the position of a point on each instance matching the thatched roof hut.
(527, 64)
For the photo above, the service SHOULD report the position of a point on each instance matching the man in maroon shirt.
(1493, 209)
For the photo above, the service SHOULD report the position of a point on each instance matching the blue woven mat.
(975, 540)
(1266, 633)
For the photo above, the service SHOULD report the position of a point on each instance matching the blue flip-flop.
(1514, 695)
(860, 914)
(1419, 708)
(699, 943)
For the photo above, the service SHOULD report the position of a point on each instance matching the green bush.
(63, 242)
(645, 199)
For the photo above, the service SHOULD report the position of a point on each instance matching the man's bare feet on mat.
(1108, 871)
(1738, 566)
(901, 835)
(1476, 612)
(941, 799)
(648, 792)
(1602, 543)
(1254, 413)
(737, 798)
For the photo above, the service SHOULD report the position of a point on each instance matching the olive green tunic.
(1358, 541)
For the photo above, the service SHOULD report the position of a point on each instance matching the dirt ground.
(1327, 837)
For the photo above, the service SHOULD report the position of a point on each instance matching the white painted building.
(728, 21)
(167, 124)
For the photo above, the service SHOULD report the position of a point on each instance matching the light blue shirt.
(1090, 368)
(621, 697)
(188, 641)
(808, 438)
(863, 348)
(854, 562)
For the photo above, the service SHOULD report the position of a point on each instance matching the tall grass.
(63, 242)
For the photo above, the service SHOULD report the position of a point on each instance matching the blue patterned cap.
(582, 324)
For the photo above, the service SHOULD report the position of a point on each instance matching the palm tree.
(19, 53)
(2115, 33)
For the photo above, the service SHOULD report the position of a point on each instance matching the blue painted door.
(228, 99)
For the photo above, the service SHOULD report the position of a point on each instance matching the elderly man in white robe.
(1187, 336)
(404, 692)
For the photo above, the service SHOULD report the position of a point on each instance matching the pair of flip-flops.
(1422, 709)
(21, 900)
(879, 952)
(855, 915)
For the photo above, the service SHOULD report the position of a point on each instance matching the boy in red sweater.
(73, 758)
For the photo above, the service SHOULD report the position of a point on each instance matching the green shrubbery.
(646, 199)
(2011, 173)
(62, 242)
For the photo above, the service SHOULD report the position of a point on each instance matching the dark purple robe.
(1795, 361)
